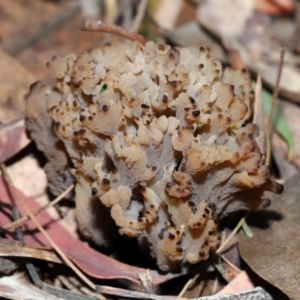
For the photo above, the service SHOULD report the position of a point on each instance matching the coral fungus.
(159, 142)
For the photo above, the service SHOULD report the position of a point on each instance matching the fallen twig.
(233, 232)
(23, 220)
(110, 28)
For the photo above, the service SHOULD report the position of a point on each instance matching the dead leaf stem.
(110, 28)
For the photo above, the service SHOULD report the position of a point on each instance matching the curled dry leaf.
(12, 103)
(273, 252)
(87, 259)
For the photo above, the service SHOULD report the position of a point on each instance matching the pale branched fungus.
(160, 145)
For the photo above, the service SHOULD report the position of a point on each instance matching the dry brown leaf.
(273, 252)
(14, 83)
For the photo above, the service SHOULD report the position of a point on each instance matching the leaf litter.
(90, 261)
(257, 47)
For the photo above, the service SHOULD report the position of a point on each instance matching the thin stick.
(188, 284)
(139, 15)
(64, 258)
(234, 231)
(110, 28)
(258, 99)
(20, 222)
(273, 106)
